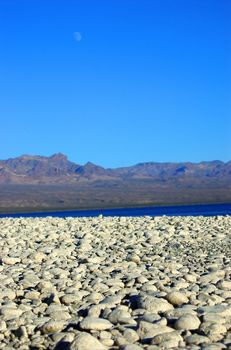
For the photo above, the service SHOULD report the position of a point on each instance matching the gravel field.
(108, 283)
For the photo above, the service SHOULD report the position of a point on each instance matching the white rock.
(94, 323)
(10, 261)
(216, 346)
(222, 310)
(225, 285)
(214, 331)
(131, 347)
(120, 316)
(187, 322)
(190, 278)
(177, 298)
(7, 293)
(39, 257)
(168, 340)
(52, 327)
(10, 313)
(153, 304)
(196, 339)
(71, 299)
(130, 335)
(149, 330)
(85, 341)
(60, 315)
(32, 295)
(214, 276)
(2, 326)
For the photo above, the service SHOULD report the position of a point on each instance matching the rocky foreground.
(115, 283)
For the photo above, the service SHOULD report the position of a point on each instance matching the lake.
(179, 210)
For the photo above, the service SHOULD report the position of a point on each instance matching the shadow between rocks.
(62, 345)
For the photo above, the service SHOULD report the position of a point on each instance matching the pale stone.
(94, 323)
(85, 341)
(135, 258)
(167, 340)
(111, 301)
(197, 339)
(10, 313)
(52, 327)
(39, 257)
(187, 322)
(60, 315)
(149, 330)
(120, 316)
(44, 285)
(131, 347)
(217, 346)
(107, 341)
(2, 326)
(95, 297)
(214, 318)
(10, 261)
(32, 295)
(71, 299)
(121, 341)
(177, 298)
(7, 293)
(178, 312)
(105, 334)
(214, 331)
(94, 311)
(222, 310)
(131, 335)
(153, 304)
(214, 276)
(190, 278)
(225, 285)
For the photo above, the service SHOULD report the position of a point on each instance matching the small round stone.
(177, 298)
(167, 340)
(187, 322)
(95, 323)
(85, 341)
(131, 347)
(52, 327)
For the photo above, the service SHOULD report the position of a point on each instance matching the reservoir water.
(179, 210)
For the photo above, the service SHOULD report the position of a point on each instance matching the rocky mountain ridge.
(57, 169)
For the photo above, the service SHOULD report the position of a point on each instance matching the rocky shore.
(112, 283)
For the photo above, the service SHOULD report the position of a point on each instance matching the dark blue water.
(180, 210)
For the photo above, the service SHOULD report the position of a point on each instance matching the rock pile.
(112, 283)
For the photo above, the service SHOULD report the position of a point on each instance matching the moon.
(77, 36)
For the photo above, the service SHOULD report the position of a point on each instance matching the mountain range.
(57, 169)
(30, 183)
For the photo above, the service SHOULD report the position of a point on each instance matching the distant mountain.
(36, 169)
(165, 171)
(57, 169)
(31, 183)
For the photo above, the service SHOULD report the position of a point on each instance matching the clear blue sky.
(116, 82)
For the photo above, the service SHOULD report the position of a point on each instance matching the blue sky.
(116, 82)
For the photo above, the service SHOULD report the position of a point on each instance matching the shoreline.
(40, 210)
